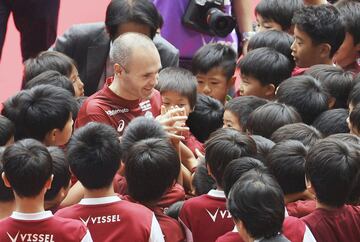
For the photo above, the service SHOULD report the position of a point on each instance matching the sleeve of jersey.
(156, 234)
(87, 237)
(183, 218)
(308, 236)
(91, 113)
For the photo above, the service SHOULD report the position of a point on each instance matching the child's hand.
(173, 121)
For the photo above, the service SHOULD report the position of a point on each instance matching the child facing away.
(94, 155)
(214, 67)
(27, 171)
(205, 217)
(332, 170)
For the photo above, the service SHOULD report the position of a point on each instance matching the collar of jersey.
(216, 193)
(31, 216)
(99, 200)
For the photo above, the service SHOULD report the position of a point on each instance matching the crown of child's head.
(332, 122)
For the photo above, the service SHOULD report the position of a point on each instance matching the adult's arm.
(243, 12)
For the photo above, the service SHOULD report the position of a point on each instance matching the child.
(354, 96)
(255, 68)
(332, 122)
(27, 170)
(94, 155)
(286, 161)
(237, 111)
(209, 210)
(152, 167)
(61, 180)
(307, 135)
(7, 131)
(319, 32)
(177, 88)
(332, 170)
(52, 78)
(276, 14)
(306, 94)
(263, 147)
(338, 82)
(354, 121)
(42, 113)
(349, 52)
(202, 182)
(214, 66)
(266, 119)
(206, 117)
(7, 201)
(56, 61)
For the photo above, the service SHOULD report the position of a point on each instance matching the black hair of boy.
(152, 167)
(243, 106)
(37, 111)
(94, 155)
(47, 60)
(350, 139)
(201, 181)
(174, 210)
(60, 171)
(266, 65)
(138, 129)
(27, 166)
(306, 134)
(332, 167)
(223, 146)
(332, 122)
(279, 11)
(206, 117)
(179, 80)
(354, 119)
(323, 24)
(354, 96)
(286, 161)
(239, 167)
(306, 94)
(265, 120)
(215, 55)
(257, 200)
(7, 130)
(278, 40)
(51, 78)
(263, 146)
(350, 11)
(6, 194)
(338, 82)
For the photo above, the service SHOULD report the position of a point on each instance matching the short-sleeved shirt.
(113, 219)
(106, 107)
(206, 217)
(42, 226)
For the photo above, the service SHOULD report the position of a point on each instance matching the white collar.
(31, 216)
(99, 200)
(216, 193)
(286, 213)
(235, 229)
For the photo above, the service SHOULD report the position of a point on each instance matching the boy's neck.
(324, 206)
(315, 2)
(6, 208)
(29, 204)
(98, 193)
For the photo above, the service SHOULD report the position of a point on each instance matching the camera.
(207, 16)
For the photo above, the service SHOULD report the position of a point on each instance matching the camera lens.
(220, 23)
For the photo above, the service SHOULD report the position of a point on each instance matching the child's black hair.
(173, 210)
(7, 130)
(354, 96)
(286, 161)
(152, 167)
(263, 146)
(306, 94)
(350, 11)
(201, 181)
(268, 118)
(94, 155)
(338, 82)
(323, 24)
(243, 106)
(308, 135)
(206, 117)
(258, 63)
(332, 122)
(27, 166)
(6, 194)
(354, 118)
(215, 55)
(332, 167)
(179, 80)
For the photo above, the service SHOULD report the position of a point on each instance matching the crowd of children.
(263, 148)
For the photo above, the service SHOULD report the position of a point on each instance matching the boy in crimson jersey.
(28, 171)
(94, 155)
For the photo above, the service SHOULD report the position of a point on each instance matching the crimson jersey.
(341, 224)
(293, 229)
(43, 227)
(112, 219)
(205, 217)
(106, 107)
(301, 208)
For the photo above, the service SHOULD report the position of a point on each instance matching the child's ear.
(309, 186)
(331, 102)
(49, 182)
(324, 50)
(270, 91)
(6, 181)
(231, 82)
(50, 137)
(209, 171)
(121, 170)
